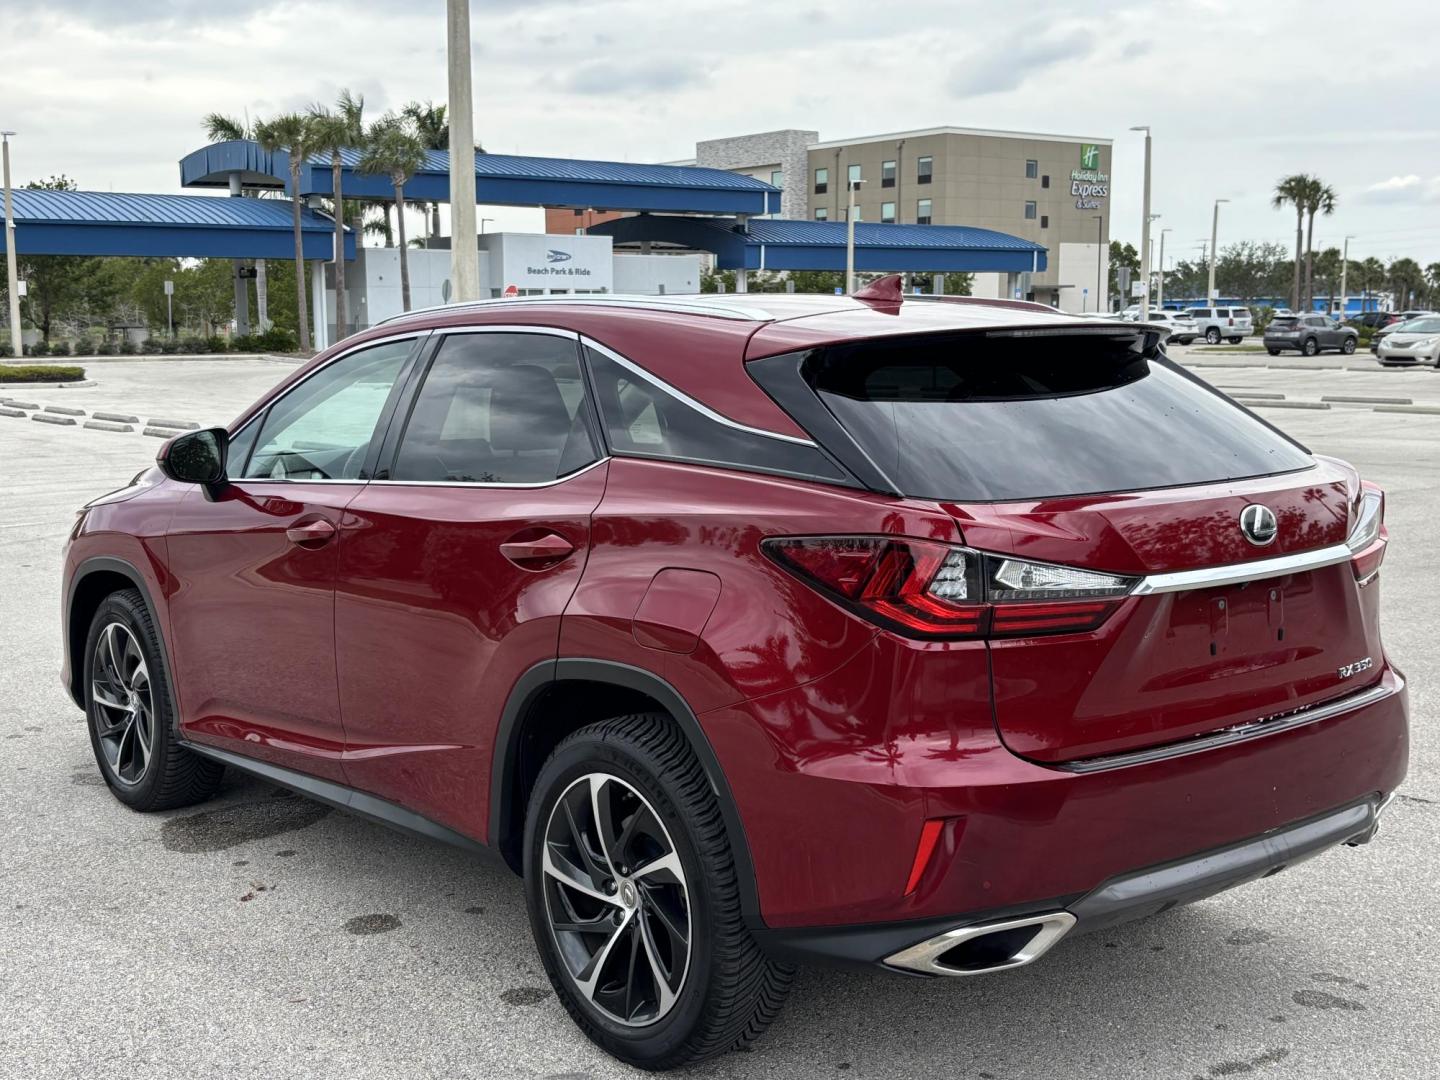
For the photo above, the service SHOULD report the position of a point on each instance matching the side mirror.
(197, 457)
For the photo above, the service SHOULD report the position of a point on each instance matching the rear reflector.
(929, 836)
(927, 589)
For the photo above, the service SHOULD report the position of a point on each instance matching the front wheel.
(633, 899)
(1311, 347)
(1348, 346)
(1212, 336)
(131, 716)
(1235, 340)
(1273, 352)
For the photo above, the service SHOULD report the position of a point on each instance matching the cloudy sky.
(110, 92)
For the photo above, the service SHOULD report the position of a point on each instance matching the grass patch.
(11, 373)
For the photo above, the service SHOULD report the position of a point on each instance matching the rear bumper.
(922, 947)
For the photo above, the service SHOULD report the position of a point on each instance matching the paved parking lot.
(263, 935)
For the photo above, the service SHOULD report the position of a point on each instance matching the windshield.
(962, 417)
(1429, 324)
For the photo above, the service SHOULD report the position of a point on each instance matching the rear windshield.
(1284, 322)
(976, 417)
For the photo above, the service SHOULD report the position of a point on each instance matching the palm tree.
(1406, 278)
(291, 133)
(1293, 190)
(333, 132)
(1372, 273)
(1432, 282)
(1320, 198)
(222, 128)
(393, 149)
(432, 125)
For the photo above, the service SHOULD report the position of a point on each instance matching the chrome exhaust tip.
(1370, 833)
(979, 950)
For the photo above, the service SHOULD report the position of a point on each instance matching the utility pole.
(1214, 250)
(1345, 279)
(1145, 230)
(1160, 292)
(464, 245)
(850, 187)
(12, 273)
(1100, 284)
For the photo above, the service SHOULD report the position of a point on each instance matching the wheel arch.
(95, 579)
(535, 719)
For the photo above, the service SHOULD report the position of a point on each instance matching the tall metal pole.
(1214, 250)
(12, 273)
(464, 245)
(1100, 284)
(1345, 278)
(850, 233)
(1160, 290)
(1145, 231)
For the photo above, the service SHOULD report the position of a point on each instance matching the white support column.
(464, 253)
(741, 284)
(320, 331)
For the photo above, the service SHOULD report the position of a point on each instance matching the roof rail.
(689, 306)
(1023, 305)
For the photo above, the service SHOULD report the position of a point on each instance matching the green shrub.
(216, 343)
(38, 349)
(245, 343)
(150, 347)
(126, 348)
(60, 348)
(276, 340)
(195, 346)
(169, 347)
(84, 347)
(40, 373)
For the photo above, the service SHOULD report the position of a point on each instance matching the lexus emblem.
(1258, 524)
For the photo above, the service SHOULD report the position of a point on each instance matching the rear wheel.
(634, 902)
(1273, 352)
(1348, 346)
(130, 714)
(1212, 336)
(1235, 340)
(1310, 347)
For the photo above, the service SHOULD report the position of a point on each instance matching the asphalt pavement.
(263, 935)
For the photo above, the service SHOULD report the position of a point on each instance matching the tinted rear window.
(1284, 322)
(991, 418)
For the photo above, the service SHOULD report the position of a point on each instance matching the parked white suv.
(1232, 324)
(1181, 326)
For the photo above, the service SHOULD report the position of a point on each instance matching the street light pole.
(1145, 230)
(1214, 250)
(1160, 292)
(1100, 284)
(464, 247)
(1345, 278)
(850, 186)
(12, 273)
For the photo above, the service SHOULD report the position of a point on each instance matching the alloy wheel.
(616, 899)
(124, 714)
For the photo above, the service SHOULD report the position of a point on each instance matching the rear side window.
(498, 409)
(975, 417)
(645, 418)
(1200, 313)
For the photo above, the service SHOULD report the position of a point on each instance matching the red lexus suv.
(756, 630)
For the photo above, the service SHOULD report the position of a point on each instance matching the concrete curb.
(105, 425)
(1368, 400)
(1283, 404)
(161, 433)
(5, 410)
(1256, 395)
(50, 385)
(178, 425)
(117, 418)
(63, 410)
(1428, 410)
(20, 404)
(46, 418)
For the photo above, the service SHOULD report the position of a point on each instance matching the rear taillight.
(1368, 535)
(922, 588)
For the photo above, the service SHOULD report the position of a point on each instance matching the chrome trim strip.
(686, 399)
(498, 484)
(925, 957)
(1236, 573)
(718, 309)
(1254, 729)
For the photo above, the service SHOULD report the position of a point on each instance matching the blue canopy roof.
(500, 179)
(186, 226)
(782, 244)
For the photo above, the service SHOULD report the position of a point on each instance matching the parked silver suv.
(1231, 323)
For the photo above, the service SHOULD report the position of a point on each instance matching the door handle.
(533, 554)
(312, 534)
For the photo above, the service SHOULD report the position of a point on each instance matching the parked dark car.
(1309, 334)
(745, 630)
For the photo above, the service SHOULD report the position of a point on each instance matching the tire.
(729, 991)
(1311, 347)
(1347, 347)
(1212, 336)
(1235, 340)
(130, 716)
(1273, 352)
